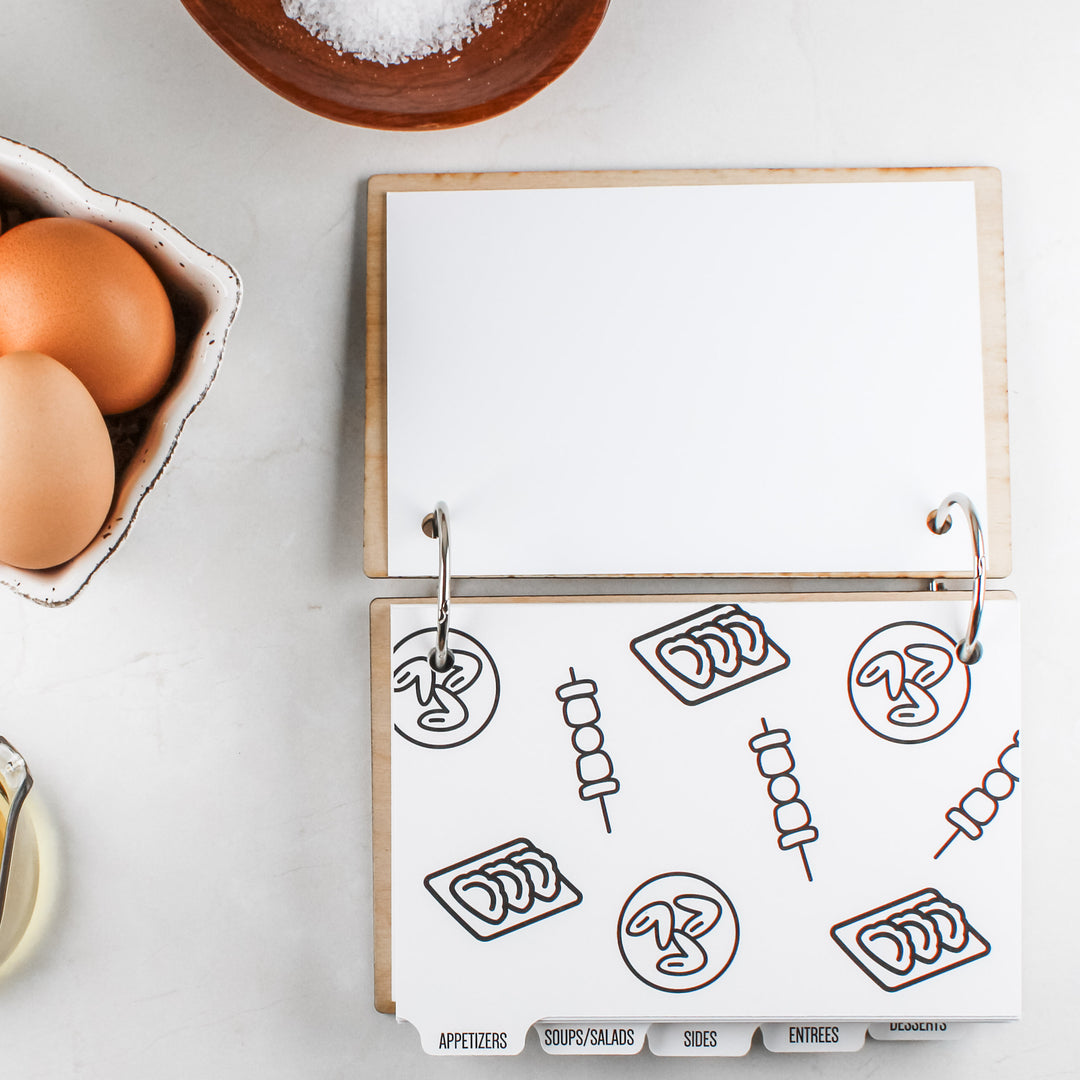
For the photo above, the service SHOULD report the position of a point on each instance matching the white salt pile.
(393, 31)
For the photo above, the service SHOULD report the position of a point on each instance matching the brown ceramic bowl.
(530, 43)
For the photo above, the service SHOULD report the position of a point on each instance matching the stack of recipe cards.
(691, 815)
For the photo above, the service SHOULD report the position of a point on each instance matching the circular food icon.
(440, 709)
(678, 932)
(906, 683)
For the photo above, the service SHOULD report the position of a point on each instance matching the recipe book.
(651, 809)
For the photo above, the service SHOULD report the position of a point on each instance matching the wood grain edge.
(380, 803)
(991, 240)
(909, 595)
(376, 555)
(991, 260)
(493, 181)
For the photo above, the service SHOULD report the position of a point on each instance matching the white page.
(723, 379)
(693, 801)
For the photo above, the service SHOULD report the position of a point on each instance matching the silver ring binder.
(939, 521)
(437, 526)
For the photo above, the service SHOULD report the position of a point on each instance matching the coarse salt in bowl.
(204, 292)
(397, 31)
(403, 65)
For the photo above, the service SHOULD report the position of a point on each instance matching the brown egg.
(56, 463)
(79, 293)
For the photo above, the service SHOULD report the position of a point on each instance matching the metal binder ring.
(940, 521)
(437, 525)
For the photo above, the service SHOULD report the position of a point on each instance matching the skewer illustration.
(790, 815)
(978, 807)
(595, 770)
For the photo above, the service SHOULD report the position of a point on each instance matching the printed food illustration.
(911, 939)
(595, 771)
(791, 815)
(678, 932)
(452, 706)
(979, 806)
(503, 889)
(709, 653)
(906, 684)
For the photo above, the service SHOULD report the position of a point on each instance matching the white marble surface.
(197, 720)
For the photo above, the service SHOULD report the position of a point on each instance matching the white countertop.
(197, 720)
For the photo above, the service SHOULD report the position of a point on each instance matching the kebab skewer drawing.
(979, 806)
(791, 815)
(595, 770)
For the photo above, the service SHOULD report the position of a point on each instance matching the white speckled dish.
(205, 295)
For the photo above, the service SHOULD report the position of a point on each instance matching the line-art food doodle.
(790, 814)
(581, 711)
(503, 889)
(911, 939)
(978, 807)
(709, 653)
(906, 684)
(451, 706)
(678, 932)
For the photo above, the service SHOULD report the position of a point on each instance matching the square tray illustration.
(503, 889)
(910, 939)
(710, 652)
